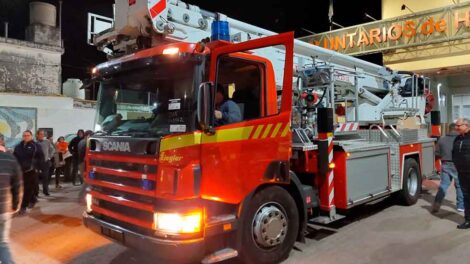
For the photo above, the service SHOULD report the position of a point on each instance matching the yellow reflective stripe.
(286, 130)
(180, 141)
(224, 135)
(258, 131)
(276, 130)
(231, 134)
(267, 130)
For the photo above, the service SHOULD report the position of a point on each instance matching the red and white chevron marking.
(331, 175)
(156, 7)
(347, 127)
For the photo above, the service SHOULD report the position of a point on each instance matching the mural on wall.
(14, 121)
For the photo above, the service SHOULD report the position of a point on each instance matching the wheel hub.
(269, 226)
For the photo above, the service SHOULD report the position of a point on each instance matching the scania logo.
(116, 146)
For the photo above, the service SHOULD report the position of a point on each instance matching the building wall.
(27, 67)
(433, 60)
(392, 8)
(54, 112)
(426, 57)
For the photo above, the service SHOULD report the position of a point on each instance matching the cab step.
(324, 220)
(221, 255)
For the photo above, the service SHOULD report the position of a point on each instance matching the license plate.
(113, 234)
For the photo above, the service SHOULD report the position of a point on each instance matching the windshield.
(149, 102)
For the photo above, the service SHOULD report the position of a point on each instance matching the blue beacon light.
(220, 30)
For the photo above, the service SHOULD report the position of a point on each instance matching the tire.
(411, 183)
(273, 213)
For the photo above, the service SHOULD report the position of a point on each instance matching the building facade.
(31, 95)
(431, 38)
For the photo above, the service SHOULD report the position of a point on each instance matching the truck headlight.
(176, 223)
(89, 201)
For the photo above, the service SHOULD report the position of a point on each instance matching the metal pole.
(6, 31)
(356, 109)
(332, 94)
(60, 22)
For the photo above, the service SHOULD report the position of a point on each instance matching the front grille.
(115, 165)
(114, 186)
(119, 180)
(125, 195)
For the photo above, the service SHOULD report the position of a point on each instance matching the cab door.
(240, 156)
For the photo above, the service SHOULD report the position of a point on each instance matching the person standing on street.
(62, 148)
(81, 154)
(73, 148)
(448, 170)
(48, 151)
(461, 159)
(10, 196)
(52, 166)
(30, 156)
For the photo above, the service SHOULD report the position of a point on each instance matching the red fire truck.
(319, 133)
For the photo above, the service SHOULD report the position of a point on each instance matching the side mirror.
(205, 106)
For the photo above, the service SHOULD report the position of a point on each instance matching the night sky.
(275, 15)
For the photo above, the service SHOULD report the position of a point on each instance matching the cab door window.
(241, 83)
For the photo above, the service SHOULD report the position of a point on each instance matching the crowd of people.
(40, 159)
(30, 164)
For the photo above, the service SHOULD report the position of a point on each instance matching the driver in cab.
(227, 111)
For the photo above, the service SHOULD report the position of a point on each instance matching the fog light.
(89, 201)
(178, 223)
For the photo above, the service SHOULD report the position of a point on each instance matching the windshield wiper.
(142, 133)
(100, 133)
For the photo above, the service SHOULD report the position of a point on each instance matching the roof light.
(220, 30)
(171, 51)
(94, 70)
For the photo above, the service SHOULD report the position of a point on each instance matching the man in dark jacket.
(10, 195)
(30, 156)
(48, 151)
(448, 170)
(461, 158)
(81, 154)
(73, 148)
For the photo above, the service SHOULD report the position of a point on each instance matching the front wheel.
(411, 182)
(270, 226)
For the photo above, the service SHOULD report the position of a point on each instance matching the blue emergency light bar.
(220, 31)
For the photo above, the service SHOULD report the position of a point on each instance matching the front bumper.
(186, 251)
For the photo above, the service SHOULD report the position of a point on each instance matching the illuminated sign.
(428, 27)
